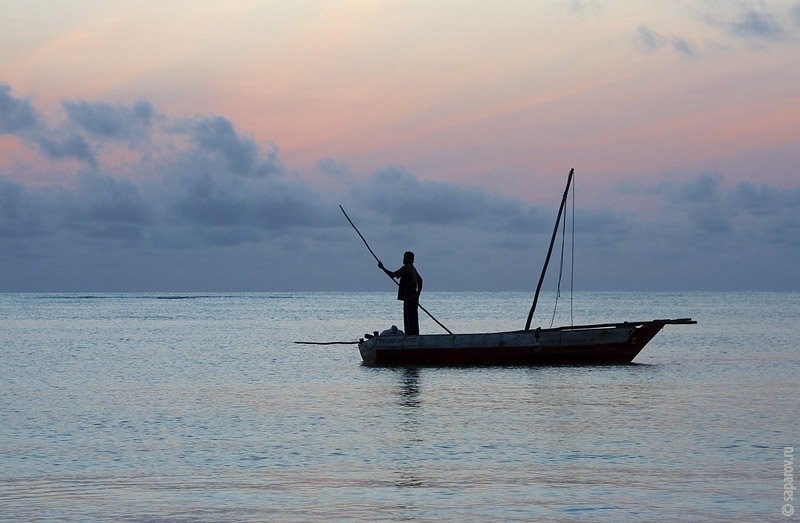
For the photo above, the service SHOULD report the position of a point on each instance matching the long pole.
(549, 251)
(377, 260)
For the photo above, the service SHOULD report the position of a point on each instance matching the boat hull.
(603, 344)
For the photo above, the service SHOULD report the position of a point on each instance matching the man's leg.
(411, 317)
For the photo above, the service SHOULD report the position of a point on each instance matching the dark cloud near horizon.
(20, 212)
(106, 200)
(402, 198)
(218, 209)
(753, 211)
(468, 229)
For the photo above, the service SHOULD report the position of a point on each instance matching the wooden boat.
(599, 344)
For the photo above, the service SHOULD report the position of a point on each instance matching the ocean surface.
(201, 407)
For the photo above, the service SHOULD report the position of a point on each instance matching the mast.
(549, 251)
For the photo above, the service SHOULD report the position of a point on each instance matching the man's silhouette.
(408, 291)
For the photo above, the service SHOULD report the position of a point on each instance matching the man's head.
(408, 257)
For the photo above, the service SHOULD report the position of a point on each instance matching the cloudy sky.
(206, 146)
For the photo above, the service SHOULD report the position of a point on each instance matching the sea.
(203, 407)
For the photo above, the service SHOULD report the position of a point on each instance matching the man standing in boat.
(408, 292)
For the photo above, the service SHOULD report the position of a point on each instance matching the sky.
(205, 146)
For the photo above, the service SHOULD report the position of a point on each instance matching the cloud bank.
(147, 202)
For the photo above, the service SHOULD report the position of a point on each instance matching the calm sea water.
(134, 407)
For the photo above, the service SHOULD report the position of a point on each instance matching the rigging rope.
(561, 264)
(572, 261)
(560, 270)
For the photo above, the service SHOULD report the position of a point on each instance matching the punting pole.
(377, 260)
(326, 342)
(549, 251)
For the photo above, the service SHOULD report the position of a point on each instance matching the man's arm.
(395, 274)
